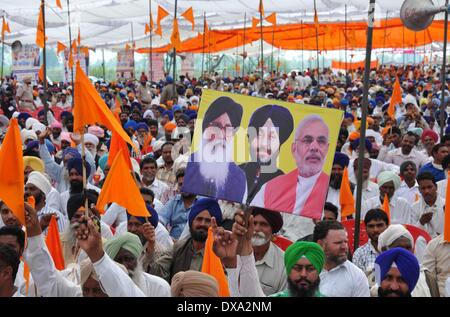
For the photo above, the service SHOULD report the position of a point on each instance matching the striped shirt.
(62, 219)
(364, 257)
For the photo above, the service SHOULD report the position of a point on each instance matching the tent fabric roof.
(110, 23)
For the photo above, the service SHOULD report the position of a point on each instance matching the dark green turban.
(310, 250)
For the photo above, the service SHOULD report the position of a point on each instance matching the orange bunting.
(396, 98)
(147, 29)
(11, 171)
(60, 47)
(189, 15)
(213, 266)
(162, 13)
(272, 19)
(119, 177)
(175, 40)
(255, 22)
(346, 198)
(5, 28)
(90, 108)
(53, 243)
(58, 4)
(70, 62)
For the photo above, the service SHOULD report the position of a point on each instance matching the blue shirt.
(437, 173)
(175, 216)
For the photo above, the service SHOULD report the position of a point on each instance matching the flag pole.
(203, 47)
(83, 156)
(175, 54)
(237, 55)
(443, 71)
(3, 48)
(317, 41)
(365, 101)
(243, 49)
(44, 55)
(261, 40)
(345, 39)
(303, 48)
(103, 64)
(384, 38)
(150, 62)
(70, 48)
(273, 39)
(132, 49)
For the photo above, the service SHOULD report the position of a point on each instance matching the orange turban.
(353, 136)
(169, 126)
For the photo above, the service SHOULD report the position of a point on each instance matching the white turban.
(388, 176)
(376, 135)
(157, 146)
(37, 126)
(392, 233)
(29, 123)
(194, 100)
(149, 113)
(90, 138)
(40, 181)
(28, 135)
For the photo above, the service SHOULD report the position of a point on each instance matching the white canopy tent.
(109, 23)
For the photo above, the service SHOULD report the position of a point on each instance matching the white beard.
(219, 153)
(93, 152)
(259, 239)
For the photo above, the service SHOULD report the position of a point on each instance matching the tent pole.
(317, 42)
(44, 55)
(261, 41)
(70, 48)
(384, 38)
(243, 49)
(443, 71)
(303, 48)
(273, 39)
(103, 64)
(345, 39)
(132, 48)
(150, 57)
(203, 47)
(175, 55)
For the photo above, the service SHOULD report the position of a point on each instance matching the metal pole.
(3, 49)
(273, 39)
(303, 48)
(261, 43)
(70, 48)
(278, 61)
(365, 101)
(103, 64)
(403, 46)
(414, 57)
(175, 55)
(44, 55)
(317, 44)
(132, 49)
(443, 71)
(384, 39)
(243, 49)
(203, 49)
(236, 73)
(345, 39)
(150, 61)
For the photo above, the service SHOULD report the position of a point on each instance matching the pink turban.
(56, 124)
(97, 131)
(65, 136)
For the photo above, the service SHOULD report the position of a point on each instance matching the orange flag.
(255, 22)
(346, 198)
(175, 37)
(74, 47)
(60, 47)
(85, 51)
(5, 28)
(41, 73)
(447, 211)
(70, 60)
(396, 98)
(79, 37)
(89, 108)
(40, 30)
(261, 7)
(386, 207)
(127, 47)
(162, 13)
(272, 19)
(58, 4)
(54, 244)
(11, 171)
(213, 266)
(119, 177)
(189, 15)
(147, 29)
(118, 145)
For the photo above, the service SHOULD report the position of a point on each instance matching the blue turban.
(102, 162)
(32, 145)
(355, 144)
(344, 102)
(168, 113)
(153, 219)
(372, 103)
(438, 116)
(176, 108)
(341, 159)
(349, 115)
(76, 163)
(447, 130)
(385, 107)
(71, 151)
(131, 124)
(380, 99)
(208, 204)
(160, 109)
(64, 114)
(142, 125)
(169, 79)
(406, 263)
(24, 115)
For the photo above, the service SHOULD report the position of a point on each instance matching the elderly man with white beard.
(211, 170)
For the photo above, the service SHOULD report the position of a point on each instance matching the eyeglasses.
(308, 140)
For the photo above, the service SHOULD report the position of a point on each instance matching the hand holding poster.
(270, 154)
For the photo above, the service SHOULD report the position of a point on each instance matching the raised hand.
(225, 242)
(89, 238)
(45, 220)
(244, 231)
(149, 234)
(32, 221)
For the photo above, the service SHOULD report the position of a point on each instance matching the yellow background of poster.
(286, 162)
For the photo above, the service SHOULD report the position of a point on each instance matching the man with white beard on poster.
(211, 170)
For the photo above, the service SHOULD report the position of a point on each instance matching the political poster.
(157, 67)
(264, 153)
(125, 64)
(80, 57)
(26, 62)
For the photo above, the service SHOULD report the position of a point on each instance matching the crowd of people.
(263, 252)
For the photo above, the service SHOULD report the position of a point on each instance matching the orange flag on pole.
(79, 37)
(147, 29)
(162, 13)
(255, 22)
(396, 98)
(213, 266)
(54, 244)
(60, 47)
(5, 28)
(11, 172)
(119, 177)
(189, 15)
(75, 47)
(40, 30)
(272, 19)
(261, 7)
(70, 62)
(346, 198)
(386, 207)
(175, 37)
(41, 73)
(316, 19)
(118, 145)
(58, 4)
(447, 211)
(90, 108)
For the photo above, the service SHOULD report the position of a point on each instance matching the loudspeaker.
(417, 15)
